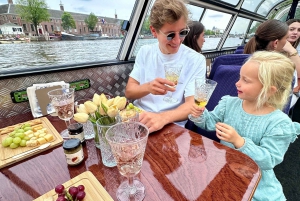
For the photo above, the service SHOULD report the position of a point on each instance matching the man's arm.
(135, 90)
(156, 121)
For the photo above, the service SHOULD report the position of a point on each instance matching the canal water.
(53, 53)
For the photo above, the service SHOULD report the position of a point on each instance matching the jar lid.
(71, 144)
(75, 128)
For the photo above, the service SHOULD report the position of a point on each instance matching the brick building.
(105, 26)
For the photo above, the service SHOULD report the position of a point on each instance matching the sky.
(104, 8)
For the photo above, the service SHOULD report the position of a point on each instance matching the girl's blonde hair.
(275, 69)
(167, 11)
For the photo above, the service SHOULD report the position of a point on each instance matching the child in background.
(253, 122)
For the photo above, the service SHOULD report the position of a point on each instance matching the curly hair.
(275, 69)
(167, 11)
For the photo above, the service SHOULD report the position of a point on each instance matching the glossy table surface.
(178, 165)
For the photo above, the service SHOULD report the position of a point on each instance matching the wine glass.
(172, 73)
(128, 142)
(203, 91)
(63, 102)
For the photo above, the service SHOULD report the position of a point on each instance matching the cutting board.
(93, 189)
(6, 153)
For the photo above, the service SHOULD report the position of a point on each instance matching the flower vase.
(103, 124)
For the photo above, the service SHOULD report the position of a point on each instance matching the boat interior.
(110, 76)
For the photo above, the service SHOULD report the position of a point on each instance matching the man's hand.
(158, 86)
(154, 121)
(228, 134)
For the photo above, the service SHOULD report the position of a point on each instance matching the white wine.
(172, 78)
(201, 102)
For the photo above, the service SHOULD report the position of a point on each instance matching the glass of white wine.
(203, 91)
(172, 73)
(128, 141)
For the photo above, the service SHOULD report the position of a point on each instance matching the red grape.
(73, 191)
(80, 188)
(59, 189)
(80, 195)
(61, 199)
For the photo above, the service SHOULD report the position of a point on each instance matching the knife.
(43, 146)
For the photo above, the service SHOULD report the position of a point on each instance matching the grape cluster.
(73, 194)
(17, 137)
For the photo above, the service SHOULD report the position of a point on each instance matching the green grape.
(7, 141)
(13, 145)
(17, 140)
(23, 143)
(27, 129)
(17, 128)
(20, 130)
(27, 125)
(20, 135)
(26, 138)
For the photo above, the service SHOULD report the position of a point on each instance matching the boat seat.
(239, 51)
(228, 59)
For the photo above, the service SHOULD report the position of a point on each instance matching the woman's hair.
(196, 28)
(167, 11)
(289, 22)
(270, 30)
(275, 69)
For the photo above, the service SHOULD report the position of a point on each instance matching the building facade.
(106, 26)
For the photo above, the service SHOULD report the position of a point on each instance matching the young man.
(147, 85)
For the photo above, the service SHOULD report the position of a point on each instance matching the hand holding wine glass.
(203, 91)
(128, 141)
(172, 73)
(63, 102)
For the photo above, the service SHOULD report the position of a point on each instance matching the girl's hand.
(197, 111)
(228, 134)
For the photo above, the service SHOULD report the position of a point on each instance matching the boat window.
(232, 2)
(251, 5)
(195, 12)
(215, 23)
(252, 30)
(79, 45)
(266, 6)
(237, 32)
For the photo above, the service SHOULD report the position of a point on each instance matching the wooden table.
(178, 165)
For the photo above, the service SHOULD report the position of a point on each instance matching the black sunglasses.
(172, 35)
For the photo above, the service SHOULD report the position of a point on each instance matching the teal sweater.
(267, 138)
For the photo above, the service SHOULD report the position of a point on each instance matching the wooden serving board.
(93, 189)
(7, 153)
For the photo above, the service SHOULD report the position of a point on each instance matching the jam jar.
(73, 151)
(76, 131)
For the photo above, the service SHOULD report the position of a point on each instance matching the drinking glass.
(63, 102)
(203, 91)
(172, 73)
(128, 115)
(128, 142)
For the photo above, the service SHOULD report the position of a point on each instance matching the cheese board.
(7, 154)
(92, 187)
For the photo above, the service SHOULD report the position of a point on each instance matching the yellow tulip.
(90, 107)
(103, 98)
(110, 102)
(81, 109)
(81, 117)
(116, 99)
(96, 99)
(101, 110)
(121, 103)
(112, 111)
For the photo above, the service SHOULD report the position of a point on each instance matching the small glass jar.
(73, 151)
(76, 131)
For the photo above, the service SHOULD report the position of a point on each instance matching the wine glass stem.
(132, 188)
(69, 122)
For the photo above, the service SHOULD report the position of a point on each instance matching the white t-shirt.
(149, 64)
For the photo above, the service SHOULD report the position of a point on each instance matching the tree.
(68, 21)
(33, 11)
(91, 21)
(146, 26)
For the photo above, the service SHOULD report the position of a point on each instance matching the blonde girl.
(253, 122)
